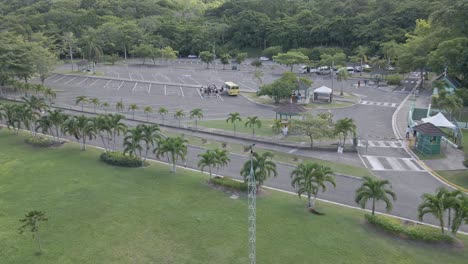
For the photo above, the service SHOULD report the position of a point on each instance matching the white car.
(390, 68)
(191, 56)
(264, 58)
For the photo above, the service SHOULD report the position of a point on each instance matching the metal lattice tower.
(252, 205)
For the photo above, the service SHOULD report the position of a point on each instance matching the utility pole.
(252, 206)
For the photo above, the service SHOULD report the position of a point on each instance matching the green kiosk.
(428, 139)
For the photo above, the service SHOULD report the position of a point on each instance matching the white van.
(323, 70)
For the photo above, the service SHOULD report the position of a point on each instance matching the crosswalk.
(380, 163)
(380, 144)
(379, 103)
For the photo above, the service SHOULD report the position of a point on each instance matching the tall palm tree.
(174, 148)
(133, 108)
(117, 127)
(49, 94)
(277, 125)
(222, 158)
(151, 136)
(310, 178)
(162, 111)
(57, 118)
(119, 106)
(147, 110)
(12, 113)
(342, 76)
(207, 159)
(253, 121)
(435, 205)
(34, 107)
(92, 46)
(460, 207)
(178, 115)
(43, 123)
(71, 127)
(87, 129)
(361, 53)
(105, 105)
(132, 142)
(263, 168)
(196, 113)
(95, 102)
(81, 100)
(376, 190)
(103, 129)
(345, 126)
(233, 119)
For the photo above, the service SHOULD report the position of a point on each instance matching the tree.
(117, 127)
(291, 58)
(151, 135)
(179, 114)
(143, 51)
(314, 127)
(33, 109)
(345, 126)
(256, 63)
(342, 76)
(222, 158)
(57, 119)
(435, 205)
(241, 56)
(31, 222)
(103, 129)
(361, 53)
(280, 88)
(49, 94)
(310, 178)
(69, 41)
(105, 105)
(147, 110)
(276, 126)
(119, 106)
(162, 111)
(133, 108)
(330, 60)
(253, 121)
(44, 62)
(233, 119)
(451, 56)
(81, 100)
(44, 124)
(225, 59)
(95, 102)
(377, 190)
(92, 47)
(196, 113)
(263, 168)
(391, 50)
(132, 142)
(206, 57)
(270, 52)
(207, 159)
(460, 207)
(174, 148)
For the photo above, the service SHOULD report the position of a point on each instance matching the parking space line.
(149, 88)
(83, 81)
(220, 97)
(134, 87)
(50, 77)
(200, 94)
(118, 88)
(107, 84)
(130, 74)
(94, 82)
(180, 79)
(165, 90)
(194, 80)
(181, 91)
(59, 79)
(70, 80)
(141, 76)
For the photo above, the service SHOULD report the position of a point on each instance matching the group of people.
(211, 90)
(295, 98)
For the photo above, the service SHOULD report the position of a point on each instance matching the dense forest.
(416, 34)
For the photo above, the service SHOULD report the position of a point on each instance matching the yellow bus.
(231, 88)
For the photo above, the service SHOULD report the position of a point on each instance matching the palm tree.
(196, 113)
(174, 148)
(147, 110)
(178, 115)
(44, 124)
(435, 205)
(263, 168)
(34, 107)
(342, 76)
(95, 102)
(103, 129)
(133, 108)
(117, 127)
(119, 106)
(13, 113)
(81, 100)
(57, 119)
(71, 128)
(162, 111)
(92, 49)
(132, 141)
(207, 159)
(234, 118)
(310, 178)
(105, 105)
(361, 53)
(253, 121)
(277, 125)
(151, 136)
(460, 207)
(344, 127)
(222, 158)
(376, 190)
(87, 129)
(49, 94)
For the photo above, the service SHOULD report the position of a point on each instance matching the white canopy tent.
(323, 92)
(439, 120)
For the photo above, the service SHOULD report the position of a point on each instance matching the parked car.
(389, 68)
(191, 56)
(323, 70)
(264, 58)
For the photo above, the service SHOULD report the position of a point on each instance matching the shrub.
(119, 159)
(230, 183)
(465, 162)
(39, 141)
(414, 232)
(394, 80)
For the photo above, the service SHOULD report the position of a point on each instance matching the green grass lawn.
(465, 141)
(459, 177)
(103, 214)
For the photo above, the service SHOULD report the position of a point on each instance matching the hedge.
(465, 162)
(39, 141)
(393, 80)
(230, 183)
(414, 232)
(116, 158)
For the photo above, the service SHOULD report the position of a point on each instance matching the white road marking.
(198, 90)
(134, 87)
(149, 88)
(50, 77)
(395, 164)
(83, 81)
(181, 79)
(118, 88)
(181, 91)
(94, 82)
(165, 90)
(105, 86)
(220, 98)
(141, 76)
(375, 163)
(292, 151)
(411, 165)
(59, 79)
